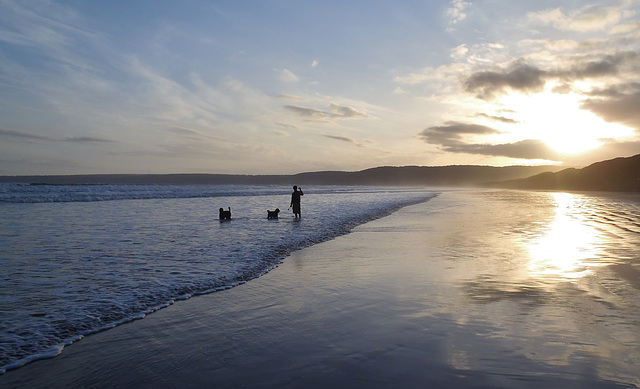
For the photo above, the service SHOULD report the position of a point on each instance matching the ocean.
(78, 259)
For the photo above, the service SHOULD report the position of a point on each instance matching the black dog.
(273, 214)
(225, 214)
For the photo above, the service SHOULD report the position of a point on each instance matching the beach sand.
(396, 303)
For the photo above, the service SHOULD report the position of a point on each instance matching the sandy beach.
(439, 294)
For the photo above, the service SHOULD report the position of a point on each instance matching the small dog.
(273, 214)
(225, 214)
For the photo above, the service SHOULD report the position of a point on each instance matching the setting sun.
(559, 121)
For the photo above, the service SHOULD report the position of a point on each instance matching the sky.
(284, 86)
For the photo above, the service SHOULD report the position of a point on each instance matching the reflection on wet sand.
(566, 246)
(553, 278)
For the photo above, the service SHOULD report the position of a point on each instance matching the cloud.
(413, 79)
(456, 11)
(346, 139)
(590, 18)
(498, 118)
(54, 29)
(72, 139)
(613, 148)
(614, 91)
(348, 112)
(520, 77)
(451, 133)
(525, 78)
(87, 139)
(340, 138)
(460, 51)
(525, 149)
(335, 112)
(309, 113)
(24, 135)
(314, 63)
(289, 126)
(288, 97)
(607, 65)
(194, 134)
(450, 138)
(632, 27)
(619, 104)
(170, 100)
(549, 46)
(287, 75)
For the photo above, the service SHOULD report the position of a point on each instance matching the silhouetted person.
(295, 200)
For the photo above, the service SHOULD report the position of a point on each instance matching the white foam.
(76, 266)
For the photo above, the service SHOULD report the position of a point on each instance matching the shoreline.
(58, 349)
(385, 305)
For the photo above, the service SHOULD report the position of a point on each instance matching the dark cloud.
(451, 133)
(520, 77)
(608, 65)
(526, 149)
(616, 90)
(525, 78)
(594, 69)
(618, 104)
(336, 112)
(449, 138)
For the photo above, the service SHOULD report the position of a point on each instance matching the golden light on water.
(565, 248)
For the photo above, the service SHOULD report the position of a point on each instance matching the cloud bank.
(450, 137)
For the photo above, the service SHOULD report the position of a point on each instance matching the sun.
(560, 122)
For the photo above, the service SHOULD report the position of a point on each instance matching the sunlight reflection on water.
(567, 245)
(549, 279)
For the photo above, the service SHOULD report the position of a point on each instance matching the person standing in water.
(295, 201)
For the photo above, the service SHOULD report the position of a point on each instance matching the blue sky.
(281, 87)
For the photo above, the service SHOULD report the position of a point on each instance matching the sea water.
(77, 259)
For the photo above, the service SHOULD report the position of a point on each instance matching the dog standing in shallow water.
(225, 214)
(273, 214)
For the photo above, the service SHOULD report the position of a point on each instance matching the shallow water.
(80, 259)
(471, 289)
(527, 286)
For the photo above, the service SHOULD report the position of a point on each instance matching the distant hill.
(438, 176)
(620, 174)
(616, 175)
(455, 176)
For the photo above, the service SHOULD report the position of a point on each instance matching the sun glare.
(558, 120)
(564, 250)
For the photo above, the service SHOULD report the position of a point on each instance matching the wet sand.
(409, 300)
